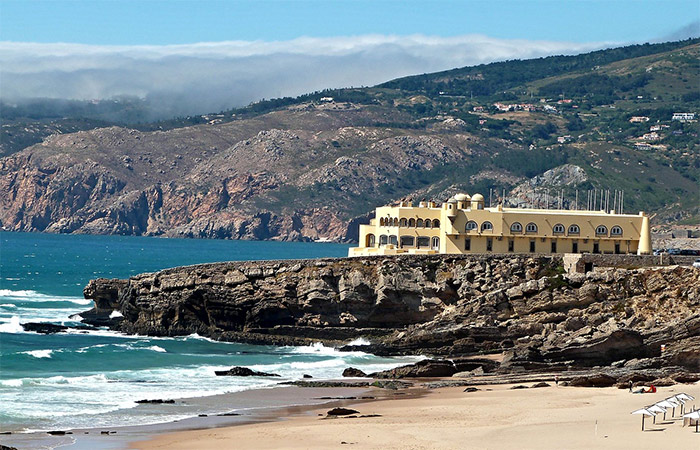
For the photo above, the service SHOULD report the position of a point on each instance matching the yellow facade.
(463, 225)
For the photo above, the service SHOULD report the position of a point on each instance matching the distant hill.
(316, 165)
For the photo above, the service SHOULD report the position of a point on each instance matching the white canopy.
(644, 411)
(656, 409)
(685, 396)
(695, 415)
(666, 404)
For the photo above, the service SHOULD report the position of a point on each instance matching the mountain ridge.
(315, 167)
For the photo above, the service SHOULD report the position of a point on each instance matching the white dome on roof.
(478, 198)
(462, 197)
(452, 200)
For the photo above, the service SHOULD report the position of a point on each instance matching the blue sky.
(157, 22)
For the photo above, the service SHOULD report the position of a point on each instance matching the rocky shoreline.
(527, 308)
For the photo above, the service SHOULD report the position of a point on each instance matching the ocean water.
(92, 379)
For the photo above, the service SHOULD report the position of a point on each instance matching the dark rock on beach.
(156, 401)
(351, 372)
(243, 372)
(594, 380)
(391, 384)
(5, 447)
(421, 369)
(56, 432)
(327, 384)
(541, 384)
(342, 412)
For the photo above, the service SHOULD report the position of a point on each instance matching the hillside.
(311, 167)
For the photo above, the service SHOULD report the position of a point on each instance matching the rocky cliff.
(440, 305)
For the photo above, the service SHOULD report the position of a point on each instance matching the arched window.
(471, 225)
(515, 227)
(403, 222)
(412, 223)
(616, 231)
(601, 230)
(419, 223)
(531, 228)
(394, 221)
(369, 240)
(383, 239)
(436, 223)
(574, 229)
(393, 240)
(428, 223)
(558, 229)
(486, 226)
(381, 221)
(435, 243)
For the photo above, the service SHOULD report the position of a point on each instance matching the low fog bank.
(183, 80)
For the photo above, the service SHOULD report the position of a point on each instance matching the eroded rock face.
(439, 304)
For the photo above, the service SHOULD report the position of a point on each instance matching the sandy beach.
(495, 417)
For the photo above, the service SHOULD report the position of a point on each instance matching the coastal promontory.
(527, 307)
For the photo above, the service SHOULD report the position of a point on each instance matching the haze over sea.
(94, 378)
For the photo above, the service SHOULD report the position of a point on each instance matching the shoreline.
(495, 416)
(268, 405)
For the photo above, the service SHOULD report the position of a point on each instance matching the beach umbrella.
(675, 403)
(694, 415)
(656, 409)
(685, 396)
(665, 404)
(680, 400)
(644, 412)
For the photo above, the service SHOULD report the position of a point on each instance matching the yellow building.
(463, 225)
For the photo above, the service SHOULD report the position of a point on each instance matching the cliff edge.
(447, 305)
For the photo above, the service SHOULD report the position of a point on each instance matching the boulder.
(342, 412)
(593, 380)
(243, 372)
(665, 381)
(685, 377)
(541, 384)
(423, 369)
(354, 373)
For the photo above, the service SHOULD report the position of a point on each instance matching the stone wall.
(581, 263)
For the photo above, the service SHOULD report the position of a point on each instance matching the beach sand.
(495, 417)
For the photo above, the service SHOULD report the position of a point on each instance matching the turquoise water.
(78, 379)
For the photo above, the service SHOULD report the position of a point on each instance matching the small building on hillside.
(463, 225)
(683, 117)
(639, 119)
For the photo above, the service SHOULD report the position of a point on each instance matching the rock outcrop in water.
(439, 305)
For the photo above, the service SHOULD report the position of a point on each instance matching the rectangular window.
(489, 244)
(617, 248)
(554, 246)
(467, 244)
(596, 247)
(574, 247)
(511, 245)
(532, 246)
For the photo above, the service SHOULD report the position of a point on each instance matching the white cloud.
(210, 76)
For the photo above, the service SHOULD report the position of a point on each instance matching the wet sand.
(495, 417)
(244, 407)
